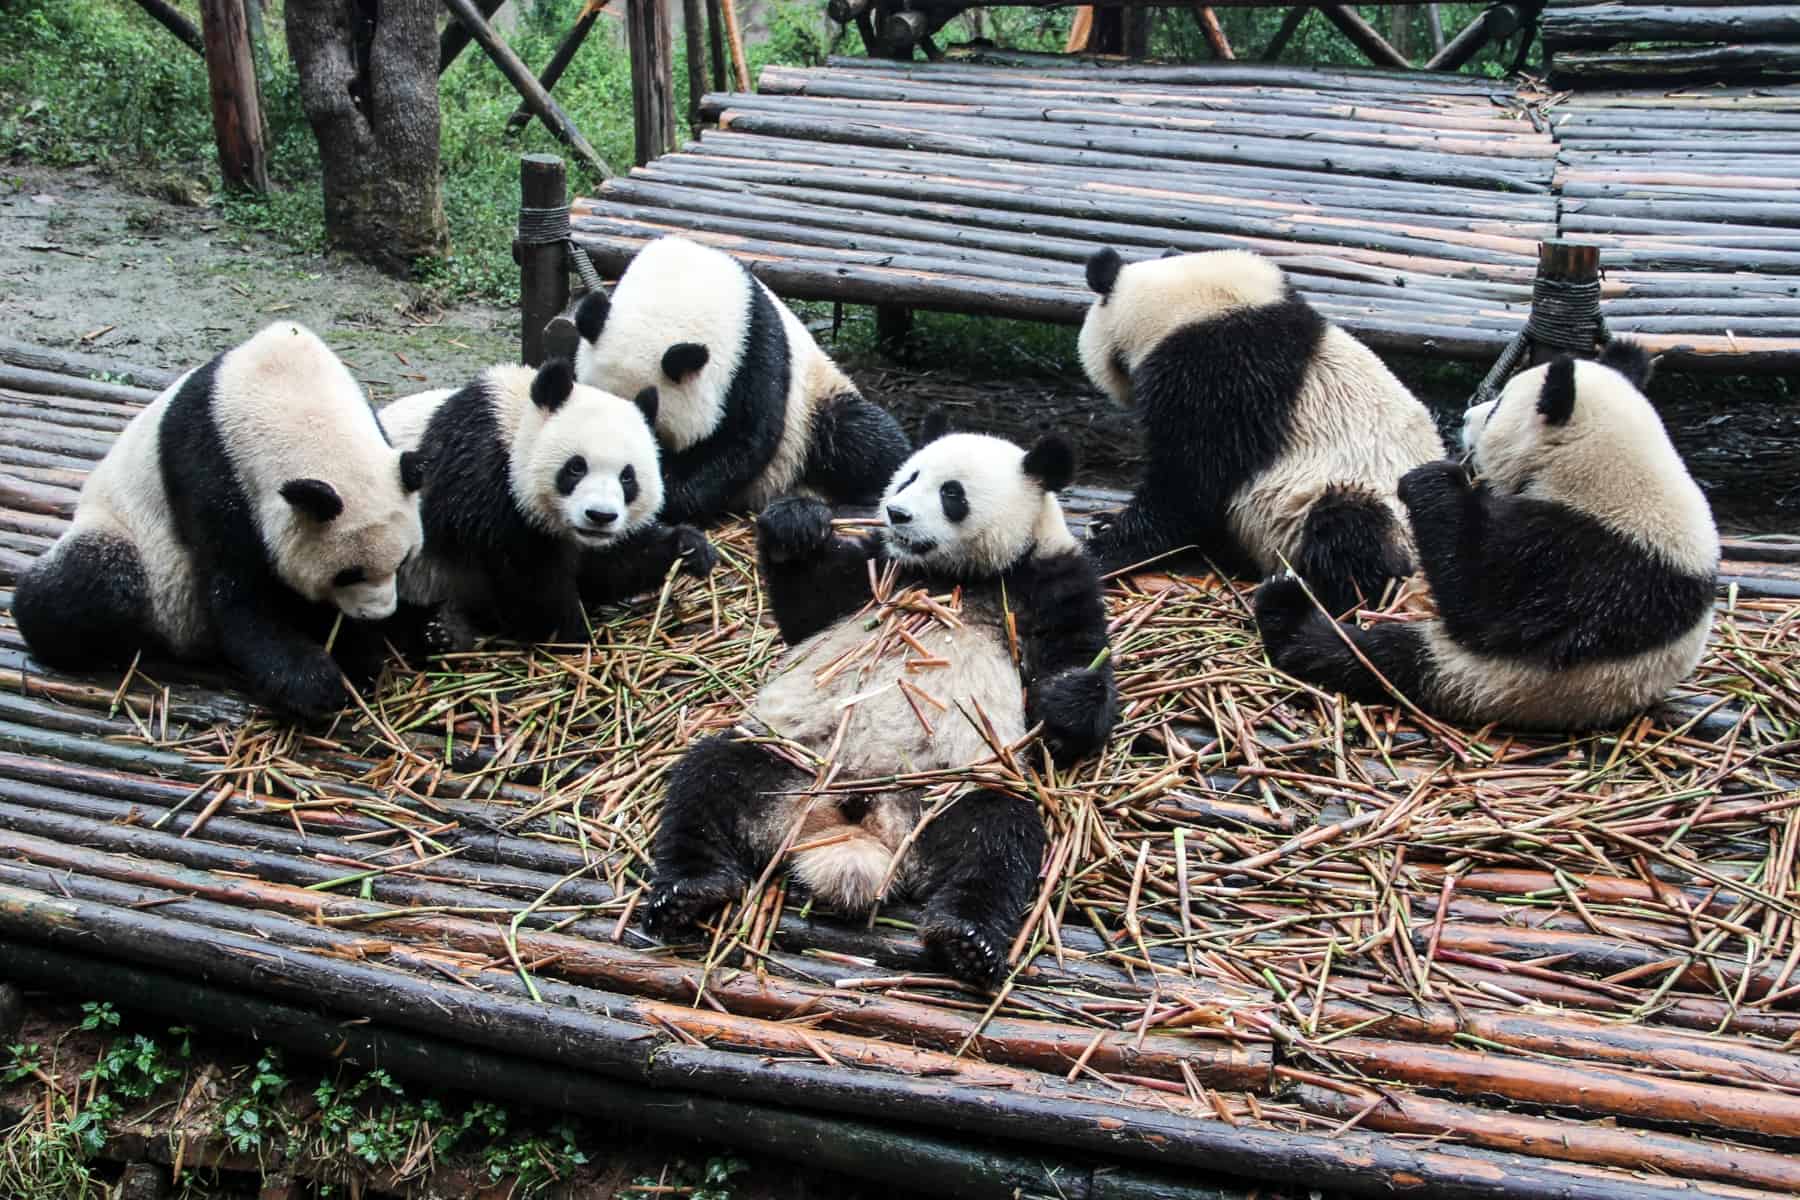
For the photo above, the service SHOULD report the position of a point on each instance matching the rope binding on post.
(548, 226)
(1565, 315)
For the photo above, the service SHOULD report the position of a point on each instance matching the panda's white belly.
(1354, 425)
(1481, 688)
(884, 735)
(124, 497)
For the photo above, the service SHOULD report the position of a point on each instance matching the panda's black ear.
(1557, 401)
(591, 314)
(937, 424)
(648, 402)
(412, 471)
(555, 380)
(1630, 360)
(314, 497)
(1051, 462)
(1103, 271)
(683, 360)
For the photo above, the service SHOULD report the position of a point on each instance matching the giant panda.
(1573, 584)
(751, 407)
(965, 512)
(542, 493)
(237, 516)
(1271, 435)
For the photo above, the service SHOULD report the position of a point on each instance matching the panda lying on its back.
(751, 407)
(543, 493)
(965, 511)
(1271, 434)
(1573, 583)
(239, 514)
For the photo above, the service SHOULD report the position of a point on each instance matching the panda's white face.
(588, 469)
(343, 545)
(1137, 306)
(965, 504)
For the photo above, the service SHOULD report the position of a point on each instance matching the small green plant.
(133, 1067)
(101, 1015)
(536, 1162)
(23, 1060)
(248, 1121)
(712, 1181)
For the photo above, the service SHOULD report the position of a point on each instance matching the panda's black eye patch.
(349, 577)
(628, 483)
(570, 475)
(956, 503)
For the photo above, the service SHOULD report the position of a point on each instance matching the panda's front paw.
(676, 906)
(794, 528)
(1432, 479)
(967, 950)
(696, 554)
(313, 691)
(1282, 609)
(1077, 711)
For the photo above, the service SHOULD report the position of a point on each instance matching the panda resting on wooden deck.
(243, 512)
(1573, 579)
(751, 408)
(543, 494)
(965, 511)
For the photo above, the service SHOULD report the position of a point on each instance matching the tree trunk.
(368, 82)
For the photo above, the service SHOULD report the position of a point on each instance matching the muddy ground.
(117, 268)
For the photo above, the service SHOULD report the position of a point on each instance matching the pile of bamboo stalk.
(1407, 208)
(1606, 42)
(1278, 937)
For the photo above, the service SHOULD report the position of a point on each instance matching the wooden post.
(1564, 263)
(1434, 25)
(12, 1011)
(543, 269)
(1400, 30)
(1137, 32)
(694, 39)
(237, 113)
(893, 322)
(652, 77)
(715, 43)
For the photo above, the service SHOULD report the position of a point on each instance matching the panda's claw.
(315, 692)
(793, 528)
(676, 906)
(967, 950)
(698, 558)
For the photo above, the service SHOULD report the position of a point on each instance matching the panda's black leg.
(259, 633)
(1350, 547)
(721, 793)
(541, 602)
(85, 604)
(640, 563)
(981, 857)
(856, 448)
(1305, 643)
(1147, 528)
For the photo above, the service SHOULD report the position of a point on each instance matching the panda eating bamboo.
(987, 624)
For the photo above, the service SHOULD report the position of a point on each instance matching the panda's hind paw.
(1282, 607)
(698, 558)
(967, 951)
(676, 906)
(794, 528)
(314, 692)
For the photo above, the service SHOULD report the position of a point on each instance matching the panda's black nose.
(601, 516)
(898, 516)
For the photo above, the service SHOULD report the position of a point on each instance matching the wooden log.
(868, 1149)
(173, 20)
(652, 78)
(559, 61)
(1284, 33)
(55, 383)
(1398, 1111)
(1362, 35)
(1364, 81)
(236, 104)
(1494, 22)
(455, 37)
(1715, 63)
(735, 39)
(541, 103)
(83, 366)
(1605, 24)
(715, 43)
(1214, 33)
(543, 268)
(693, 36)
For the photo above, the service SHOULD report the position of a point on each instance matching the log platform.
(1408, 207)
(1280, 942)
(1603, 43)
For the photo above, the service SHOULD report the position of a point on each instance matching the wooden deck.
(1407, 206)
(1479, 970)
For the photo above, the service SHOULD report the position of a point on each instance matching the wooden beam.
(1289, 24)
(236, 107)
(1214, 34)
(559, 62)
(1498, 21)
(548, 110)
(652, 78)
(456, 35)
(693, 35)
(170, 18)
(1363, 36)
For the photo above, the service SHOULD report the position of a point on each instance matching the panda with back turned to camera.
(967, 516)
(1573, 583)
(238, 516)
(1270, 434)
(751, 408)
(543, 494)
